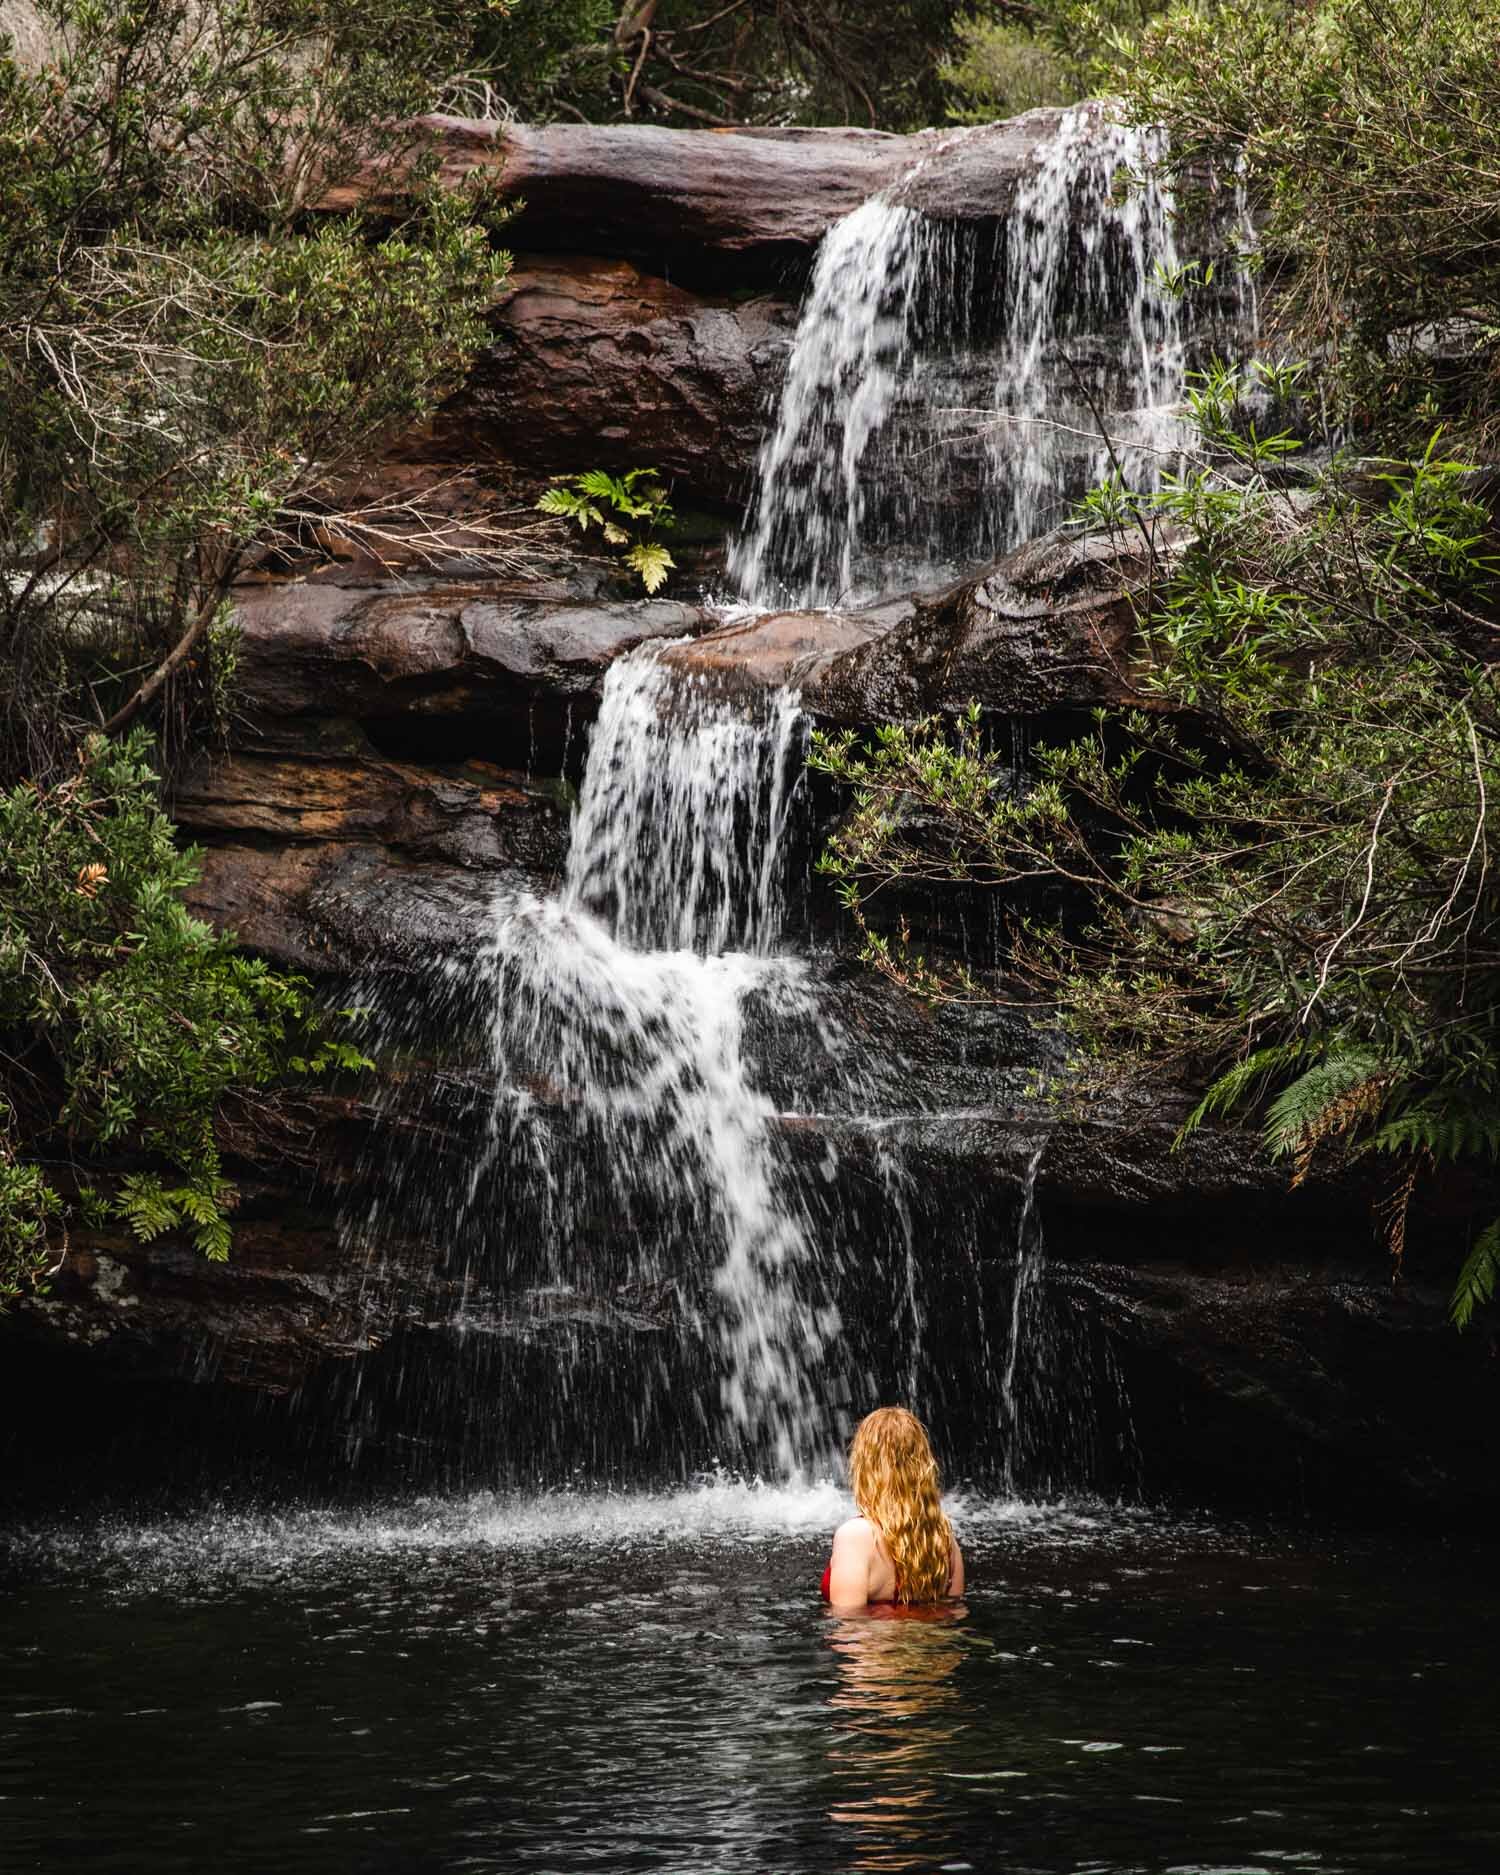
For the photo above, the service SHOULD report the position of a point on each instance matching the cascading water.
(917, 433)
(629, 1146)
(682, 1215)
(629, 991)
(853, 344)
(1091, 243)
(1022, 1343)
(1062, 1409)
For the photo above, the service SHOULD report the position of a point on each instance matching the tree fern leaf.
(1318, 1102)
(1476, 1280)
(1444, 1125)
(1235, 1083)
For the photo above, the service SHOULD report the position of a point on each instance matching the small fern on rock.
(629, 510)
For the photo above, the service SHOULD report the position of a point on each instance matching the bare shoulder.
(857, 1535)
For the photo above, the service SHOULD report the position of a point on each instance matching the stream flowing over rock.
(652, 1175)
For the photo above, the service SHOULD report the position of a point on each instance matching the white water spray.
(1091, 244)
(1025, 1297)
(852, 346)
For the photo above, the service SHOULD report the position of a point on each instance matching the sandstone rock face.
(431, 647)
(1052, 626)
(781, 647)
(406, 745)
(475, 816)
(762, 196)
(344, 861)
(595, 364)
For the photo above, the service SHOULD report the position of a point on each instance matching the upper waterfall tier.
(951, 394)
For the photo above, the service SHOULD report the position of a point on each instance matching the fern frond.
(600, 483)
(1394, 1209)
(1476, 1280)
(213, 1237)
(1332, 1098)
(146, 1207)
(1237, 1082)
(652, 562)
(569, 506)
(1445, 1125)
(558, 501)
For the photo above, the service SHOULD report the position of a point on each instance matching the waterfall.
(632, 1166)
(1062, 1408)
(671, 1204)
(679, 840)
(851, 350)
(628, 993)
(918, 432)
(1023, 1341)
(1091, 244)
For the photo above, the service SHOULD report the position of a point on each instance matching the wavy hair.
(894, 1477)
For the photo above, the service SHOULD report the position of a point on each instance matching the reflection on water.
(898, 1717)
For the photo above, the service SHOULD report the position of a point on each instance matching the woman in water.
(900, 1548)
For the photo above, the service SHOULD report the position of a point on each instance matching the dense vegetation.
(718, 62)
(1282, 881)
(129, 1023)
(192, 360)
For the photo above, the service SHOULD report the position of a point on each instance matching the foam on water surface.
(716, 1513)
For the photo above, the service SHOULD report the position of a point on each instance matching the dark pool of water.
(583, 1683)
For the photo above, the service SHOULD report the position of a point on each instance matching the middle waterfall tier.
(631, 1148)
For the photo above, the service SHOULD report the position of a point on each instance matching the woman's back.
(862, 1570)
(901, 1547)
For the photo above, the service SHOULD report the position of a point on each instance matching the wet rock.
(432, 647)
(1280, 1380)
(595, 364)
(476, 815)
(774, 648)
(334, 908)
(1051, 626)
(335, 862)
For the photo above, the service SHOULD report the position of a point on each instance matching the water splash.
(724, 1512)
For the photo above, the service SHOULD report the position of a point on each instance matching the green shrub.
(1284, 879)
(1370, 135)
(193, 360)
(125, 1023)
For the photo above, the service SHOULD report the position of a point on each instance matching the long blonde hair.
(894, 1478)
